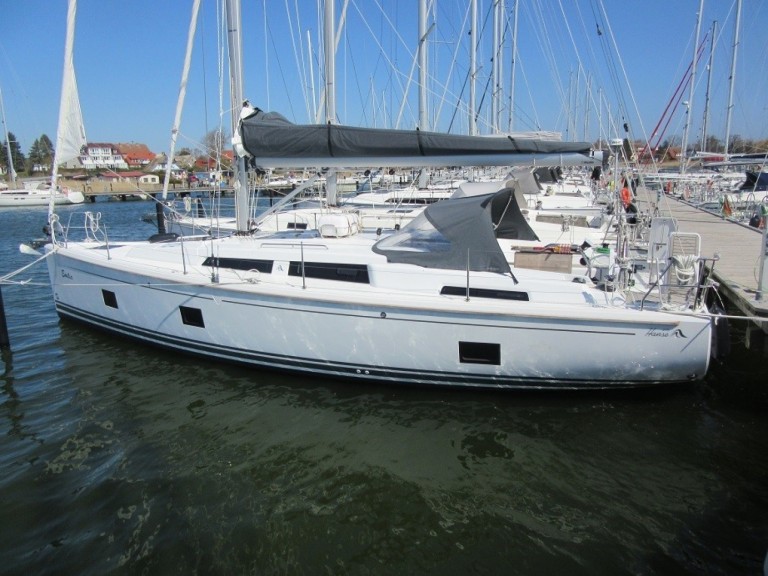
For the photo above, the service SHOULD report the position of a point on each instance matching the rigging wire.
(296, 52)
(454, 61)
(266, 53)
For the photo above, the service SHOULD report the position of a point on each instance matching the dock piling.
(5, 343)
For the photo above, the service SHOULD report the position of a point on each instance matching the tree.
(713, 144)
(16, 156)
(737, 145)
(40, 155)
(662, 152)
(214, 143)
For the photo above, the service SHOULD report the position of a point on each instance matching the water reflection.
(142, 460)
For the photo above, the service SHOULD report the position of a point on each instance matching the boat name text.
(665, 333)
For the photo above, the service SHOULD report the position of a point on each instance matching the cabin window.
(192, 316)
(296, 226)
(485, 293)
(110, 299)
(331, 271)
(479, 353)
(264, 266)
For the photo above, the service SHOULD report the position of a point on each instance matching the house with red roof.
(136, 155)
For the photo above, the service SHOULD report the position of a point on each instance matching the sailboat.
(70, 138)
(40, 196)
(435, 303)
(29, 193)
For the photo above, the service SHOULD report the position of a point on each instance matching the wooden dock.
(739, 249)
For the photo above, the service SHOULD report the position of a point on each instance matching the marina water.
(118, 458)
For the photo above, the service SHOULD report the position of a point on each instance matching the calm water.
(121, 459)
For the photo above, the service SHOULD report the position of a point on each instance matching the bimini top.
(274, 142)
(458, 233)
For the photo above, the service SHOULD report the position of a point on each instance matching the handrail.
(655, 284)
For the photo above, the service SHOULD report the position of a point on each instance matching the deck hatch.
(192, 316)
(479, 353)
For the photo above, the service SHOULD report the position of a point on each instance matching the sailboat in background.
(10, 169)
(70, 134)
(70, 139)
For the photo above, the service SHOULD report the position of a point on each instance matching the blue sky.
(129, 55)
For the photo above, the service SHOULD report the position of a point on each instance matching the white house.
(102, 156)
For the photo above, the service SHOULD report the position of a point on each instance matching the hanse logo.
(665, 333)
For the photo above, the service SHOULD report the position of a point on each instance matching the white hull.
(10, 198)
(560, 338)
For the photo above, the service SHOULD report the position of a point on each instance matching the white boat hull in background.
(10, 198)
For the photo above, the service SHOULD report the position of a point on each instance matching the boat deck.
(737, 245)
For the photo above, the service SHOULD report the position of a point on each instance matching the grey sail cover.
(270, 136)
(457, 233)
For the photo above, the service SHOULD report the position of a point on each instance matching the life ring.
(187, 203)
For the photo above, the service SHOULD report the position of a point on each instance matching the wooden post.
(5, 343)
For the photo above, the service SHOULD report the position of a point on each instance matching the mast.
(500, 65)
(313, 102)
(330, 64)
(11, 170)
(495, 67)
(587, 110)
(331, 190)
(234, 41)
(599, 118)
(705, 125)
(182, 95)
(423, 116)
(732, 78)
(683, 151)
(472, 69)
(513, 58)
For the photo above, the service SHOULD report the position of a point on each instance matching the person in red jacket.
(627, 198)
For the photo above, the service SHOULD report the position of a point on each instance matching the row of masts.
(331, 40)
(692, 87)
(501, 31)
